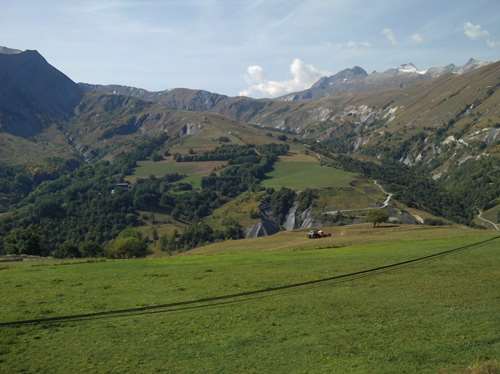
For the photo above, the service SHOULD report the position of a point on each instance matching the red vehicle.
(318, 234)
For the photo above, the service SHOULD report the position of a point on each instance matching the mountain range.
(441, 119)
(357, 80)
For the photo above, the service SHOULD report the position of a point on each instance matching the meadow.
(422, 317)
(194, 171)
(301, 171)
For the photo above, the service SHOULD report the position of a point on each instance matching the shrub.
(173, 177)
(157, 156)
(128, 244)
(183, 187)
(25, 241)
(67, 250)
(90, 249)
(434, 222)
(232, 229)
(306, 198)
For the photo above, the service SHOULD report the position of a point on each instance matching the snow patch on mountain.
(410, 68)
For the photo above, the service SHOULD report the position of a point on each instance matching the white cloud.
(475, 32)
(417, 38)
(492, 43)
(352, 45)
(255, 74)
(390, 36)
(303, 76)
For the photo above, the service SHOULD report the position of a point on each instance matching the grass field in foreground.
(417, 319)
(300, 172)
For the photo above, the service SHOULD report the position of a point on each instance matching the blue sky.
(255, 47)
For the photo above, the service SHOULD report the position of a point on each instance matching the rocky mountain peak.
(472, 64)
(342, 76)
(28, 78)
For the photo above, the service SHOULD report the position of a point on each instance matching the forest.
(81, 212)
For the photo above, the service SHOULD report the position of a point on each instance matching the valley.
(339, 143)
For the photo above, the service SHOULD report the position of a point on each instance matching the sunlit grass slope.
(417, 319)
(300, 171)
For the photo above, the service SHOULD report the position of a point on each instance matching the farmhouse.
(124, 186)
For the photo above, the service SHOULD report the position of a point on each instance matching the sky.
(259, 48)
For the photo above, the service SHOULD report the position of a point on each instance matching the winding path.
(385, 204)
(480, 216)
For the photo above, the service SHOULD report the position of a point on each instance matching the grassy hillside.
(421, 318)
(300, 171)
(361, 193)
(243, 209)
(37, 152)
(194, 171)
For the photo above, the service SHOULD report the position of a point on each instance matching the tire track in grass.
(214, 301)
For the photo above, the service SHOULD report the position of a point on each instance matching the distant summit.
(33, 94)
(357, 80)
(341, 77)
(9, 51)
(471, 65)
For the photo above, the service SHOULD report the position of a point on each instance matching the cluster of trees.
(80, 212)
(70, 215)
(306, 198)
(278, 202)
(16, 182)
(128, 244)
(235, 153)
(476, 182)
(225, 152)
(200, 233)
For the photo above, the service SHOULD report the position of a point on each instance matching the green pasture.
(301, 172)
(439, 314)
(194, 171)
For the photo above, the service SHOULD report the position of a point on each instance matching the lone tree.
(377, 216)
